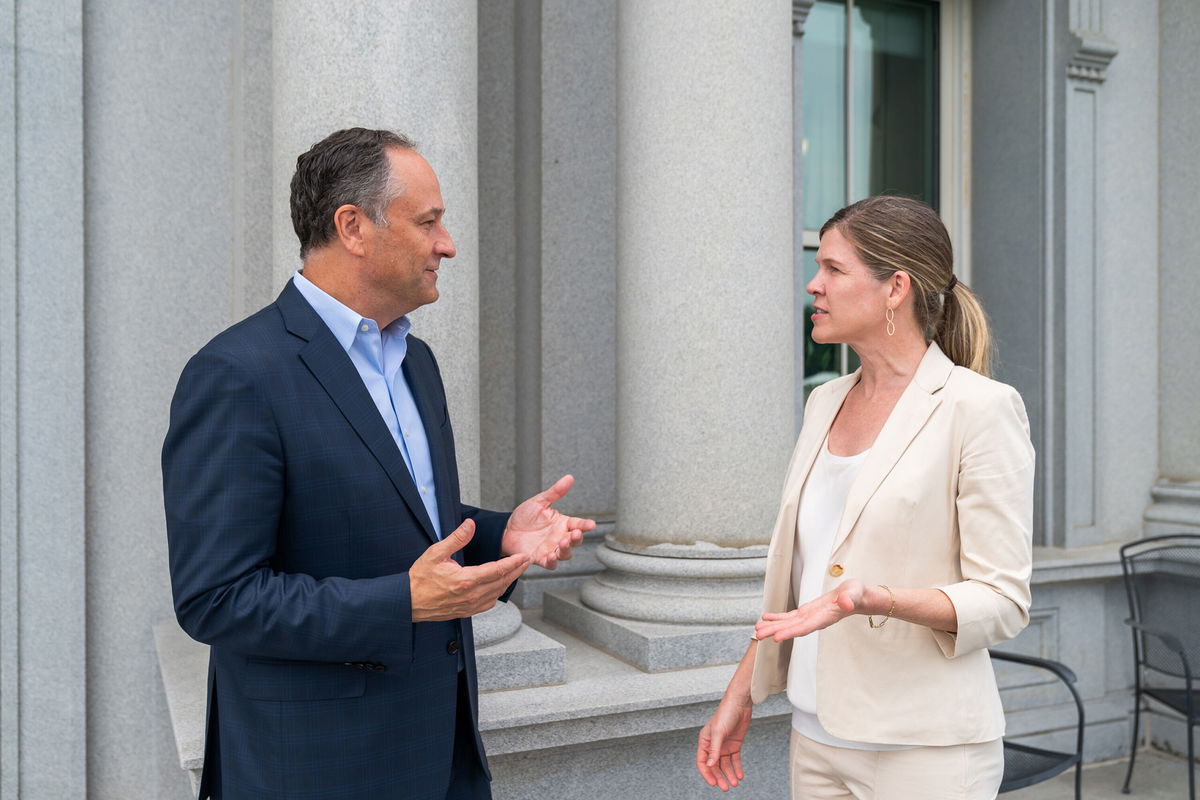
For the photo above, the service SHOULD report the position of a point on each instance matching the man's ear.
(351, 225)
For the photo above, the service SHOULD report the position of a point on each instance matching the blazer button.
(836, 570)
(452, 648)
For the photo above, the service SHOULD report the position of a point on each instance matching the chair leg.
(1079, 780)
(1137, 715)
(1191, 763)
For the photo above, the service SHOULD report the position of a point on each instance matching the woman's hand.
(719, 752)
(814, 615)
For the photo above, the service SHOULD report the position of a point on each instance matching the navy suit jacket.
(292, 522)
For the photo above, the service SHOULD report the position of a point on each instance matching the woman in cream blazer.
(925, 559)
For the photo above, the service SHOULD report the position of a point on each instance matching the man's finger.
(581, 524)
(559, 490)
(501, 572)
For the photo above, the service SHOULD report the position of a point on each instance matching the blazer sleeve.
(995, 523)
(223, 483)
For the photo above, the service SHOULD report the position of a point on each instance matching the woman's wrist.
(878, 600)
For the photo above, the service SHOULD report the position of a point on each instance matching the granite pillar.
(410, 67)
(43, 387)
(704, 253)
(1176, 496)
(547, 178)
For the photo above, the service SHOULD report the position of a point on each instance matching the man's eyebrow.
(435, 211)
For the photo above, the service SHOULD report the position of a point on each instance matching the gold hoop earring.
(890, 316)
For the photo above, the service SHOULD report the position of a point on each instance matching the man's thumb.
(458, 539)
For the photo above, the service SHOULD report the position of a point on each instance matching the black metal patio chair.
(1162, 582)
(1025, 765)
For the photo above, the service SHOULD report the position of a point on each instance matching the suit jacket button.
(836, 570)
(452, 648)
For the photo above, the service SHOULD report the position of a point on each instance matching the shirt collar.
(343, 321)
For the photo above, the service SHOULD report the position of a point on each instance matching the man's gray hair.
(349, 167)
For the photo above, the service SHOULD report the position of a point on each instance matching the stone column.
(44, 643)
(1176, 506)
(704, 323)
(411, 67)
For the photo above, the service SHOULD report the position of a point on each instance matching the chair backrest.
(1162, 582)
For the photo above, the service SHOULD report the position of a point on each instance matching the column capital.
(1091, 53)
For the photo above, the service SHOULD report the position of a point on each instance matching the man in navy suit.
(317, 538)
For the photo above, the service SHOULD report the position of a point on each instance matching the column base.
(650, 646)
(697, 584)
(525, 659)
(511, 655)
(1176, 508)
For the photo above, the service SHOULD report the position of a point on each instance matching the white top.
(822, 501)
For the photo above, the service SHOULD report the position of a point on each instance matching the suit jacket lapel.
(817, 420)
(332, 367)
(912, 410)
(421, 377)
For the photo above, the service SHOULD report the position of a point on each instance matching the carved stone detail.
(1091, 54)
(800, 9)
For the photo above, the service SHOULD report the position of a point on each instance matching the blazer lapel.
(906, 420)
(334, 370)
(814, 429)
(419, 373)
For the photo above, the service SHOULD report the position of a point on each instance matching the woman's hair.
(891, 234)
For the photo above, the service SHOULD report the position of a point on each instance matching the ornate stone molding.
(1091, 53)
(1176, 508)
(800, 9)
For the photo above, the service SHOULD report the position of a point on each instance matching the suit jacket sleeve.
(224, 483)
(995, 521)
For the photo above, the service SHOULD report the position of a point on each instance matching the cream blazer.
(945, 500)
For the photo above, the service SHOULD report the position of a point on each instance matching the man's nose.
(445, 245)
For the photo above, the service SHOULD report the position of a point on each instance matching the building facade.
(634, 189)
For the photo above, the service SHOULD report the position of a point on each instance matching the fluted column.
(704, 308)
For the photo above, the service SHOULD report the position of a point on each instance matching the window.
(869, 82)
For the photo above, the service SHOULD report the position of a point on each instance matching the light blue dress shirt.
(378, 355)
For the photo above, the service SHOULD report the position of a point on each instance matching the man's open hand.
(442, 589)
(539, 530)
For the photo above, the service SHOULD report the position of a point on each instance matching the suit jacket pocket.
(268, 679)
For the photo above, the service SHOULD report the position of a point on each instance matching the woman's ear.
(899, 286)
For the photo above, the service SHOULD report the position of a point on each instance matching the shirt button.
(836, 570)
(452, 648)
(365, 328)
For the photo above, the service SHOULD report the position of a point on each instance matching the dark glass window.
(869, 123)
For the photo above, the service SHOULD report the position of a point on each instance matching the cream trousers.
(957, 772)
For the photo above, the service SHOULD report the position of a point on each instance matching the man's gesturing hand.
(441, 588)
(538, 528)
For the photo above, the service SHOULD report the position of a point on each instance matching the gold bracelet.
(871, 620)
